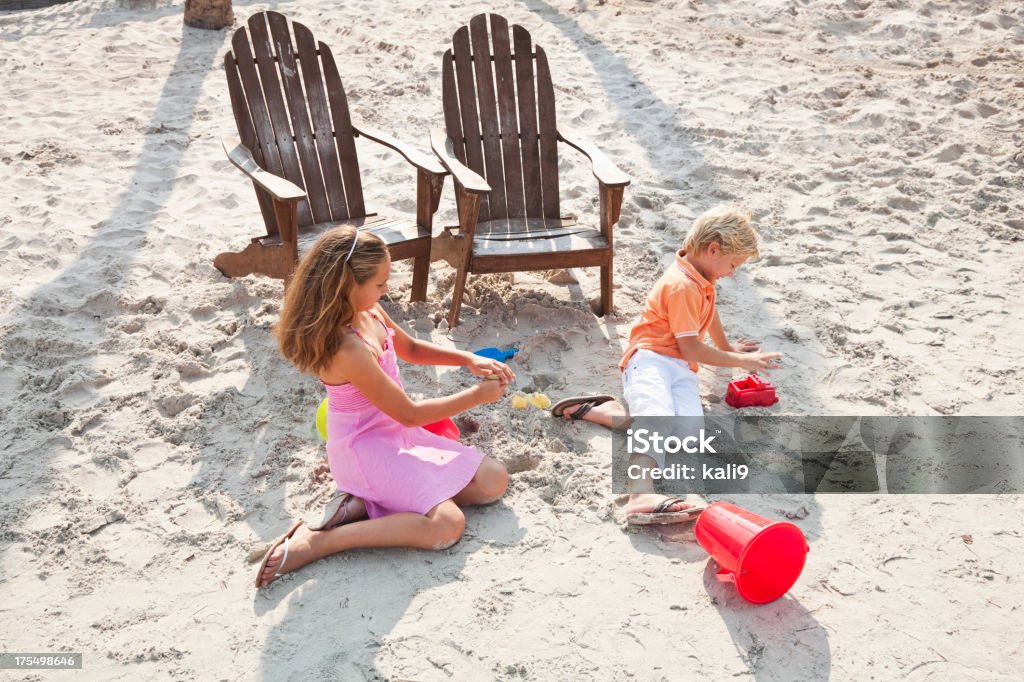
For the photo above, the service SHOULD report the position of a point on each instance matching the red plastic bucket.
(763, 557)
(445, 427)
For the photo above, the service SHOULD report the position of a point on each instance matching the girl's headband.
(353, 247)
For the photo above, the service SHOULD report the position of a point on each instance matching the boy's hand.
(746, 346)
(761, 362)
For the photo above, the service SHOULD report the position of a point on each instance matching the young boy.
(659, 368)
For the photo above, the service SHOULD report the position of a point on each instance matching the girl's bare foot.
(293, 551)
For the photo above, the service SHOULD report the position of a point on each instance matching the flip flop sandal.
(661, 517)
(663, 506)
(266, 557)
(581, 411)
(335, 512)
(558, 408)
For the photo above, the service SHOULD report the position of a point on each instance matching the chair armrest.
(445, 150)
(606, 172)
(417, 159)
(241, 157)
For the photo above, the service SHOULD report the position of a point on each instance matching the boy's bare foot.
(645, 509)
(300, 548)
(649, 503)
(602, 413)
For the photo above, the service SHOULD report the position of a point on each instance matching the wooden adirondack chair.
(297, 146)
(501, 149)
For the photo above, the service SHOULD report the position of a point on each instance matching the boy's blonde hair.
(316, 305)
(728, 226)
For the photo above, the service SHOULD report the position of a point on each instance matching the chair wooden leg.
(420, 268)
(274, 261)
(458, 290)
(606, 289)
(469, 209)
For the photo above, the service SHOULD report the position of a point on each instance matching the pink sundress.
(392, 468)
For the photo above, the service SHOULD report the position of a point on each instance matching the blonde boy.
(659, 368)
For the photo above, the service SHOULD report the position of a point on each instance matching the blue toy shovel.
(496, 353)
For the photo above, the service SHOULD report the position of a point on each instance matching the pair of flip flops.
(586, 404)
(661, 516)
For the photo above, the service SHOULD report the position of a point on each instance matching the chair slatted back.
(499, 109)
(292, 113)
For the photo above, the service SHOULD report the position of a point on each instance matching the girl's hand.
(490, 390)
(486, 367)
(746, 346)
(761, 362)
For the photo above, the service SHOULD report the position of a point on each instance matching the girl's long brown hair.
(316, 304)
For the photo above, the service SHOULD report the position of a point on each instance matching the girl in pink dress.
(405, 485)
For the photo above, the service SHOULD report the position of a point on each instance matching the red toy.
(751, 392)
(762, 557)
(445, 427)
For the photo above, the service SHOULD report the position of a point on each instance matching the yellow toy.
(540, 401)
(520, 401)
(321, 419)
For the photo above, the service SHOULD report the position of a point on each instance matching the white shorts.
(656, 385)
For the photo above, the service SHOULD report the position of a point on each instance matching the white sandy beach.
(153, 439)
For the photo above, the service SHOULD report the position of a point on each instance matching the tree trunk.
(209, 13)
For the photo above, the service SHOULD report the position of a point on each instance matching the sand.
(152, 437)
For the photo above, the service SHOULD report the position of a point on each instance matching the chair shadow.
(343, 610)
(614, 70)
(770, 660)
(79, 306)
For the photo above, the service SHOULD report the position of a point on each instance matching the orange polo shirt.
(682, 303)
